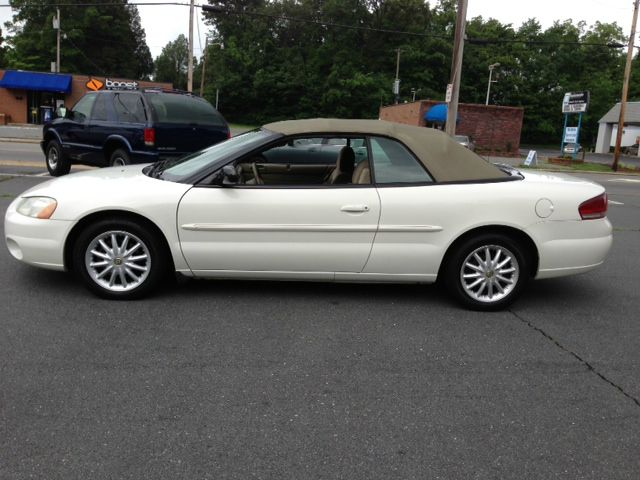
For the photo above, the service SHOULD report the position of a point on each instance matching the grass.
(579, 167)
(240, 126)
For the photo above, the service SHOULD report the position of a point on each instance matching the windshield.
(185, 167)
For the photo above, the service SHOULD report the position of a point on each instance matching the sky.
(163, 23)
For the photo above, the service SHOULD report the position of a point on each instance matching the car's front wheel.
(487, 272)
(57, 162)
(119, 259)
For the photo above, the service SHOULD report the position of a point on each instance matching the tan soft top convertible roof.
(446, 160)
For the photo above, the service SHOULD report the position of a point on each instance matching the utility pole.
(625, 87)
(204, 64)
(396, 84)
(56, 25)
(190, 64)
(456, 66)
(491, 67)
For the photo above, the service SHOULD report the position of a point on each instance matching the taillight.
(595, 207)
(150, 137)
(229, 133)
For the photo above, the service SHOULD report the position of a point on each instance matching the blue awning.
(438, 114)
(43, 82)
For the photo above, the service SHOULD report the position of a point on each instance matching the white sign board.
(532, 158)
(575, 102)
(396, 87)
(447, 97)
(571, 135)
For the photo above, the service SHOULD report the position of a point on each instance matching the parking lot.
(265, 380)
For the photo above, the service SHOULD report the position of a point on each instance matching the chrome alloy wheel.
(52, 158)
(118, 261)
(489, 273)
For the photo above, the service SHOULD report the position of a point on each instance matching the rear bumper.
(571, 247)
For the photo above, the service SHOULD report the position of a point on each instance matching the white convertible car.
(323, 199)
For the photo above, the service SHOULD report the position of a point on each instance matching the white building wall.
(604, 137)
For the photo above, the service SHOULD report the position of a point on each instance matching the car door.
(413, 214)
(278, 231)
(75, 135)
(98, 130)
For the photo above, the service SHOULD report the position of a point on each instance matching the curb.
(20, 140)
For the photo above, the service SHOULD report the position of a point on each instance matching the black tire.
(480, 286)
(119, 157)
(123, 275)
(57, 162)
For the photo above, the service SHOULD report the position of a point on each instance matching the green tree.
(171, 65)
(97, 38)
(304, 58)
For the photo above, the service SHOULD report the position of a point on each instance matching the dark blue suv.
(119, 127)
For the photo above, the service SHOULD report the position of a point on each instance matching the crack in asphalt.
(577, 357)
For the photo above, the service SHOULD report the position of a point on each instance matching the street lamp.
(204, 64)
(491, 67)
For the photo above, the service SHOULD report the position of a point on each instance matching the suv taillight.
(595, 207)
(150, 137)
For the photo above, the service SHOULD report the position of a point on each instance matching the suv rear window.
(175, 108)
(129, 107)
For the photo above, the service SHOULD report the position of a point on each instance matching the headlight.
(37, 207)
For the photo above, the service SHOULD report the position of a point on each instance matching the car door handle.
(355, 208)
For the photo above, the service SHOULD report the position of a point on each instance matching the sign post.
(573, 102)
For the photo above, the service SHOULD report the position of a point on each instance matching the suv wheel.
(119, 158)
(57, 163)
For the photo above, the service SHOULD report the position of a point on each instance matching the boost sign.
(120, 85)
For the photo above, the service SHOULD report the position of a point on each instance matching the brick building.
(26, 96)
(493, 128)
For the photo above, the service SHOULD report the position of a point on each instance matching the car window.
(82, 109)
(99, 112)
(184, 167)
(184, 109)
(393, 163)
(129, 107)
(308, 161)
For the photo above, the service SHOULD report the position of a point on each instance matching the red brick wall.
(13, 103)
(494, 128)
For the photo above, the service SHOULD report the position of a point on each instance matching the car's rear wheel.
(119, 259)
(119, 158)
(487, 272)
(57, 162)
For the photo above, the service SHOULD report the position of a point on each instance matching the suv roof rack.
(167, 90)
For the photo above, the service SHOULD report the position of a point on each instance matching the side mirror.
(61, 111)
(229, 175)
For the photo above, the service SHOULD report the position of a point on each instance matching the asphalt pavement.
(267, 380)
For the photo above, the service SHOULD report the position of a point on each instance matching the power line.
(212, 9)
(100, 70)
(218, 10)
(478, 41)
(110, 4)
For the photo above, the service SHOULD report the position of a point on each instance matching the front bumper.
(35, 241)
